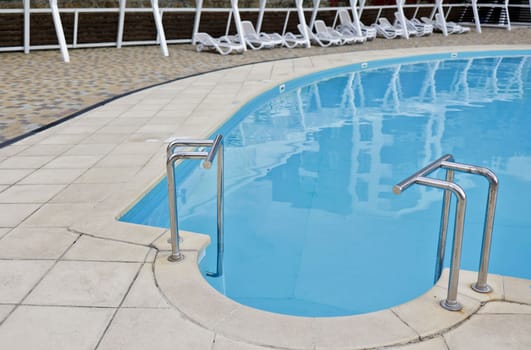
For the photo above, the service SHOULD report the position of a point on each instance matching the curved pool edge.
(184, 286)
(422, 318)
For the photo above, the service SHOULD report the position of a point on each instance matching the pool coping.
(182, 284)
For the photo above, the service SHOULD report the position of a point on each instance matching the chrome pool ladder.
(172, 155)
(449, 187)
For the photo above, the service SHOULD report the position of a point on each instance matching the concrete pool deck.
(72, 277)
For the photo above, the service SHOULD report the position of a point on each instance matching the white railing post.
(476, 15)
(121, 19)
(238, 22)
(160, 27)
(260, 16)
(59, 30)
(26, 26)
(197, 19)
(302, 21)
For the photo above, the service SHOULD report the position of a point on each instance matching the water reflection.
(346, 133)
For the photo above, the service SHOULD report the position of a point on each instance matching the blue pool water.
(312, 227)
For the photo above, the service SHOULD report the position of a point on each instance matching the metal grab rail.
(216, 149)
(447, 162)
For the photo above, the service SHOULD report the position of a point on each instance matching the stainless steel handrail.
(216, 149)
(447, 162)
(481, 285)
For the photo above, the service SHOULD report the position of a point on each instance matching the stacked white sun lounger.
(347, 32)
(347, 37)
(323, 39)
(346, 24)
(256, 41)
(385, 29)
(439, 23)
(415, 26)
(223, 45)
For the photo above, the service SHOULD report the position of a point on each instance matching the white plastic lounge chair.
(386, 30)
(323, 40)
(256, 40)
(347, 24)
(346, 38)
(223, 45)
(422, 28)
(293, 40)
(452, 27)
(413, 29)
(350, 34)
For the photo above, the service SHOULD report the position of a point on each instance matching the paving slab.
(103, 226)
(45, 150)
(184, 294)
(57, 328)
(58, 214)
(12, 176)
(30, 193)
(425, 315)
(364, 331)
(72, 162)
(500, 307)
(36, 243)
(136, 148)
(142, 329)
(269, 329)
(52, 176)
(4, 231)
(152, 255)
(84, 193)
(80, 283)
(12, 150)
(489, 331)
(4, 312)
(18, 277)
(517, 289)
(63, 139)
(90, 248)
(123, 161)
(27, 162)
(144, 293)
(13, 214)
(107, 175)
(430, 344)
(107, 138)
(85, 149)
(223, 343)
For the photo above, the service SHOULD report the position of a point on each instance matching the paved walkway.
(72, 277)
(39, 89)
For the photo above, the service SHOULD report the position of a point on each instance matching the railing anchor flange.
(456, 306)
(176, 257)
(481, 289)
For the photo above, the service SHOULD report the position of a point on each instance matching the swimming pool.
(312, 227)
